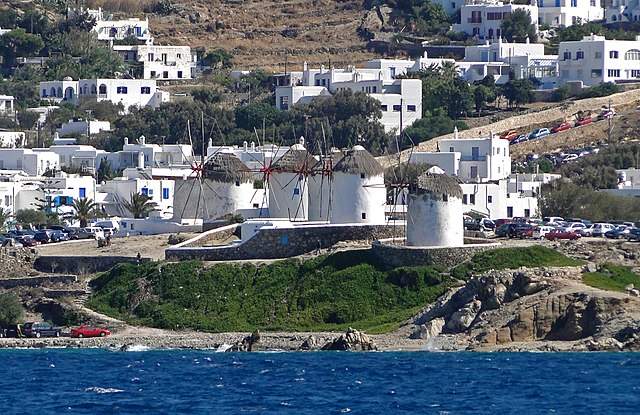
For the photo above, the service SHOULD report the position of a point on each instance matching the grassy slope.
(325, 293)
(511, 258)
(612, 278)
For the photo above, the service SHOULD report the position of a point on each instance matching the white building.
(6, 105)
(565, 13)
(83, 157)
(622, 11)
(400, 99)
(434, 211)
(127, 92)
(160, 62)
(121, 189)
(83, 127)
(108, 29)
(628, 183)
(358, 190)
(449, 6)
(43, 112)
(289, 184)
(477, 160)
(29, 161)
(483, 18)
(594, 60)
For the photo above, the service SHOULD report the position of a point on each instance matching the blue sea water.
(170, 382)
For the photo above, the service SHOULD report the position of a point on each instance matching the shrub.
(612, 277)
(11, 311)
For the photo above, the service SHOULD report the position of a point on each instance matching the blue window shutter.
(165, 193)
(145, 191)
(83, 193)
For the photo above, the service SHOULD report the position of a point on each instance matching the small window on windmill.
(364, 215)
(238, 183)
(445, 197)
(256, 206)
(296, 192)
(362, 175)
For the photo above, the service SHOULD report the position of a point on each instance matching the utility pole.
(610, 123)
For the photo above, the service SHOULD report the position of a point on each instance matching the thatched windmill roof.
(359, 161)
(296, 160)
(227, 168)
(405, 174)
(437, 184)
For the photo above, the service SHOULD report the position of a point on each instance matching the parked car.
(599, 229)
(584, 121)
(561, 234)
(72, 232)
(538, 133)
(539, 232)
(510, 135)
(41, 330)
(43, 236)
(519, 139)
(59, 236)
(500, 222)
(574, 226)
(634, 235)
(586, 231)
(561, 127)
(606, 113)
(87, 331)
(93, 232)
(552, 219)
(618, 233)
(27, 241)
(570, 157)
(12, 330)
(515, 230)
(487, 224)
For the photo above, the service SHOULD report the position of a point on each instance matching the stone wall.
(81, 265)
(283, 242)
(38, 281)
(399, 255)
(216, 234)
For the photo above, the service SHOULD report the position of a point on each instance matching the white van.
(552, 219)
(599, 229)
(540, 231)
(97, 232)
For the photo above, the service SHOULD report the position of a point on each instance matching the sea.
(60, 381)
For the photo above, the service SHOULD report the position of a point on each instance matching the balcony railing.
(474, 20)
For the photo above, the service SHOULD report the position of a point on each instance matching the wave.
(100, 390)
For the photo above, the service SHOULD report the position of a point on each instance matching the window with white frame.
(121, 90)
(613, 54)
(613, 73)
(632, 55)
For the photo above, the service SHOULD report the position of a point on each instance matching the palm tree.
(85, 210)
(140, 205)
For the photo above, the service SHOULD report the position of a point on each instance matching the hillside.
(266, 33)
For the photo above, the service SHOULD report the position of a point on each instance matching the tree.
(518, 92)
(11, 311)
(18, 43)
(255, 114)
(518, 27)
(28, 119)
(105, 171)
(30, 216)
(481, 96)
(218, 59)
(85, 210)
(432, 125)
(140, 205)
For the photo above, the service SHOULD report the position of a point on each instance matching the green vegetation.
(30, 216)
(511, 258)
(612, 277)
(329, 292)
(11, 311)
(139, 205)
(518, 27)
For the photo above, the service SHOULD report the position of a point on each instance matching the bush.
(11, 311)
(602, 90)
(30, 216)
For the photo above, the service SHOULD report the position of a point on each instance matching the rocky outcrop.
(353, 340)
(247, 344)
(527, 306)
(310, 343)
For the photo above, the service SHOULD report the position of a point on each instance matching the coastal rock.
(351, 340)
(247, 344)
(310, 343)
(604, 344)
(429, 329)
(462, 319)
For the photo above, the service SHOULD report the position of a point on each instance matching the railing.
(474, 20)
(472, 158)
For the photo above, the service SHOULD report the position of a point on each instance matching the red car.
(562, 127)
(510, 135)
(584, 121)
(86, 331)
(556, 234)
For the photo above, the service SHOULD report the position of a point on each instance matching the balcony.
(474, 20)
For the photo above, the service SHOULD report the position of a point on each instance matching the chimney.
(126, 141)
(455, 132)
(245, 145)
(142, 140)
(253, 146)
(210, 144)
(141, 160)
